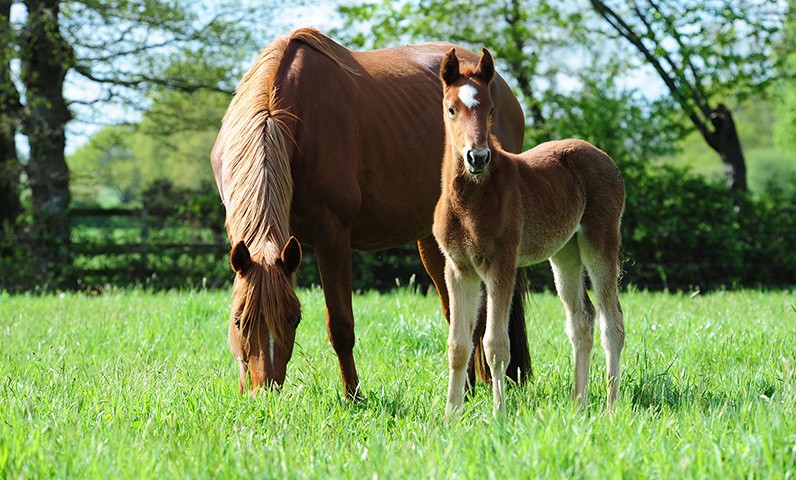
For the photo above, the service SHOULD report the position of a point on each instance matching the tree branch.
(696, 87)
(626, 31)
(138, 80)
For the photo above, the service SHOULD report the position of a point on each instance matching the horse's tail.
(519, 369)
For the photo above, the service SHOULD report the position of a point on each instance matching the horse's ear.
(486, 67)
(449, 68)
(240, 258)
(291, 256)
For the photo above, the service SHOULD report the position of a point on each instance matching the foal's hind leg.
(464, 289)
(602, 262)
(568, 273)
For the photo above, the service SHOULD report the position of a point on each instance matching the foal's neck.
(456, 180)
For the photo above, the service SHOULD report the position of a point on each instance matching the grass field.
(133, 384)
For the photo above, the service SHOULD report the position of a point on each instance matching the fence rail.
(113, 246)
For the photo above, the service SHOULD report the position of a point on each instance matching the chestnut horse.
(560, 201)
(342, 150)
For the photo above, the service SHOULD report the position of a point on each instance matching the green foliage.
(567, 78)
(785, 128)
(115, 166)
(682, 232)
(136, 384)
(766, 160)
(622, 122)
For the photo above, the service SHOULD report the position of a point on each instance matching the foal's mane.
(256, 165)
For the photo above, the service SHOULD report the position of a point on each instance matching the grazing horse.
(560, 201)
(342, 150)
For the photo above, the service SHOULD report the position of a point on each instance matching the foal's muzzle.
(478, 159)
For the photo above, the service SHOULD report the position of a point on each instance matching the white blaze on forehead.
(467, 96)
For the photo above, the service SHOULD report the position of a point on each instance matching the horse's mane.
(256, 165)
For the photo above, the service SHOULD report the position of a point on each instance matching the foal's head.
(468, 109)
(265, 312)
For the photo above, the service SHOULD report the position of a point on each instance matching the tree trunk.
(46, 57)
(10, 110)
(724, 140)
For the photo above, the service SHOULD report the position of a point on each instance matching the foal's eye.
(451, 111)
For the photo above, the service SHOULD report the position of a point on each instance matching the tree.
(10, 108)
(44, 124)
(707, 53)
(785, 128)
(121, 50)
(548, 51)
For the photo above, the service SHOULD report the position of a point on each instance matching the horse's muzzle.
(478, 159)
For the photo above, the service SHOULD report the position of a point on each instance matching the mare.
(342, 150)
(561, 201)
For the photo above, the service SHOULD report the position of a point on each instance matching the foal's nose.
(478, 159)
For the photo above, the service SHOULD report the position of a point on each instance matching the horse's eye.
(451, 111)
(296, 323)
(492, 112)
(237, 321)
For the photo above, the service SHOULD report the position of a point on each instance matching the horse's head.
(468, 109)
(265, 313)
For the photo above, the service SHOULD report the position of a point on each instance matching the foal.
(560, 201)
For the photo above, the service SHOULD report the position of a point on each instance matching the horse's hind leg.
(601, 258)
(464, 289)
(568, 273)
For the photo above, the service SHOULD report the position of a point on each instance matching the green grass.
(132, 384)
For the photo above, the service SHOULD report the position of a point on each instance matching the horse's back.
(370, 138)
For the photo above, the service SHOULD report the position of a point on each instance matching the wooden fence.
(124, 246)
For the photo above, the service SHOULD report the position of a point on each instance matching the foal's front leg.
(500, 289)
(464, 290)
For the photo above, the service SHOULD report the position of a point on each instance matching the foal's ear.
(291, 256)
(449, 69)
(240, 258)
(486, 67)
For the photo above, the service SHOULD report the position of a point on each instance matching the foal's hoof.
(452, 415)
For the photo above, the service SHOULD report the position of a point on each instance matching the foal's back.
(559, 188)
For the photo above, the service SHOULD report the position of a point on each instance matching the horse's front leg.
(500, 289)
(464, 290)
(334, 265)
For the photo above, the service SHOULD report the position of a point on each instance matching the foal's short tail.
(519, 368)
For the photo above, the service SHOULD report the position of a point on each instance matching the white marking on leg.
(467, 96)
(465, 299)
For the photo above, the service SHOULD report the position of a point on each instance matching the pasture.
(132, 384)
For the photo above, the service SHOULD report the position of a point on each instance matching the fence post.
(143, 267)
